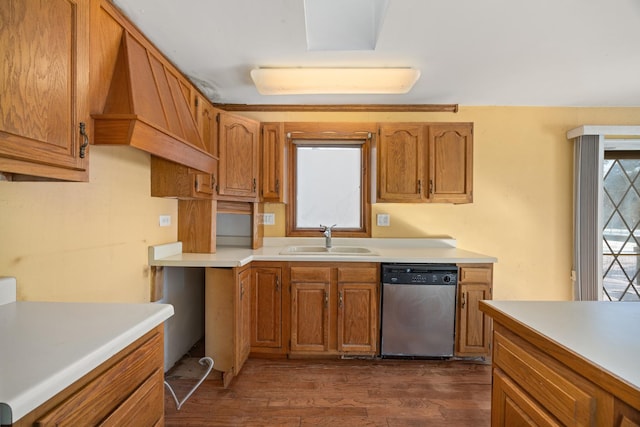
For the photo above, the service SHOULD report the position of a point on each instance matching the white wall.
(184, 289)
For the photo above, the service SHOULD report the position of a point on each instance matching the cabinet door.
(473, 334)
(272, 164)
(357, 317)
(243, 318)
(310, 317)
(208, 127)
(239, 153)
(266, 308)
(45, 68)
(401, 163)
(451, 163)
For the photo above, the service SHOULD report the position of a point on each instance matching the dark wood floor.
(385, 392)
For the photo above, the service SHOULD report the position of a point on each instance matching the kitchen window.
(329, 180)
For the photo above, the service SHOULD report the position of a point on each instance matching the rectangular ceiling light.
(297, 81)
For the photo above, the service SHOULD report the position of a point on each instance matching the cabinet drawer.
(514, 407)
(311, 274)
(358, 275)
(106, 393)
(144, 407)
(565, 395)
(475, 274)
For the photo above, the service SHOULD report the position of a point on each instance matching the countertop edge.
(238, 257)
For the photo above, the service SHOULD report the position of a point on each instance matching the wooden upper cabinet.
(451, 162)
(425, 162)
(44, 90)
(273, 161)
(239, 158)
(400, 163)
(171, 179)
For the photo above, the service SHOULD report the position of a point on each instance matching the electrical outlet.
(165, 220)
(383, 220)
(269, 219)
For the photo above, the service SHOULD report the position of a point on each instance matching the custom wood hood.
(147, 107)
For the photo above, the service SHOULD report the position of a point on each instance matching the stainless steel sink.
(321, 250)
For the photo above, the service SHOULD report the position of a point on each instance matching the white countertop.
(441, 250)
(600, 333)
(46, 346)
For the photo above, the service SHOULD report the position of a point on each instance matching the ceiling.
(469, 52)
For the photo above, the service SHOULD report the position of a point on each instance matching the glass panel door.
(621, 233)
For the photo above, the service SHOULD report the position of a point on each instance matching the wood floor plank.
(389, 393)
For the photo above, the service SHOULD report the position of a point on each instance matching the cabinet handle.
(419, 186)
(340, 300)
(326, 299)
(464, 300)
(241, 291)
(431, 186)
(277, 284)
(85, 143)
(213, 181)
(278, 186)
(254, 184)
(196, 184)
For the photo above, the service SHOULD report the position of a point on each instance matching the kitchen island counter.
(47, 346)
(593, 342)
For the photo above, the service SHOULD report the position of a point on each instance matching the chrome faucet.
(326, 230)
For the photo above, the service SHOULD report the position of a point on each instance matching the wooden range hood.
(147, 107)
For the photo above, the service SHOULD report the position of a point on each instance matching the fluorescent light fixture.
(298, 81)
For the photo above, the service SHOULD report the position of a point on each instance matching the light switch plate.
(165, 220)
(383, 220)
(269, 219)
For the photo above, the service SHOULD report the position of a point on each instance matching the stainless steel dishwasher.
(418, 310)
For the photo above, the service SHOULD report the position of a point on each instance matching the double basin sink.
(321, 250)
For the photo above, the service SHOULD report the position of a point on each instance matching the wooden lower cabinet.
(266, 308)
(473, 327)
(126, 390)
(228, 319)
(334, 309)
(532, 388)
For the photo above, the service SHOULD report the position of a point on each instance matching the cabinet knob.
(85, 142)
(326, 299)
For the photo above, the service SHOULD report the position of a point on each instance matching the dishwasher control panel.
(422, 274)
